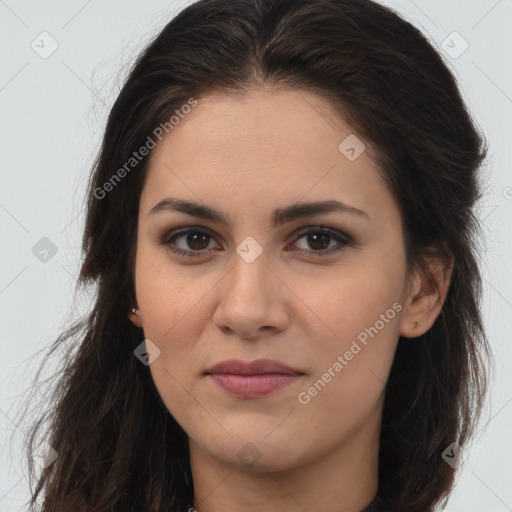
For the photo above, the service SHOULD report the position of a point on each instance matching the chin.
(257, 453)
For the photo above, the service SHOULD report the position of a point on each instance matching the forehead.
(250, 121)
(265, 146)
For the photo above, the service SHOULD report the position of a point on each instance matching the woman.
(280, 225)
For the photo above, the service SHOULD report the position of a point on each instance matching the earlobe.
(134, 316)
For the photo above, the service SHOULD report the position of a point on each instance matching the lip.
(257, 367)
(252, 379)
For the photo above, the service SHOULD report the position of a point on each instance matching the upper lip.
(258, 367)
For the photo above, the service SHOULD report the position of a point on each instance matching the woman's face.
(258, 287)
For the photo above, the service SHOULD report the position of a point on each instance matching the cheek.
(169, 308)
(356, 299)
(166, 294)
(362, 313)
(351, 366)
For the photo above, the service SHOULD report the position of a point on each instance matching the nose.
(252, 300)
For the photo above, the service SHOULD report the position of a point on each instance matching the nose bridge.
(249, 302)
(251, 288)
(250, 267)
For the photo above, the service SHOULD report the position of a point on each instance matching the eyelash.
(342, 238)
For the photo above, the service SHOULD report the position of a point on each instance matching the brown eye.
(194, 242)
(319, 239)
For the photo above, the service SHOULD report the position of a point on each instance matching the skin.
(245, 157)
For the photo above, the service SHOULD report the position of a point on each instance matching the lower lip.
(253, 386)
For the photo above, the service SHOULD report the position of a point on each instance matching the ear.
(134, 316)
(426, 294)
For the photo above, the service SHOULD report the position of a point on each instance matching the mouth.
(252, 379)
(252, 386)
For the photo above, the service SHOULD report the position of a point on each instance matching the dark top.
(379, 504)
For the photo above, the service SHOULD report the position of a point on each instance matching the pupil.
(314, 239)
(192, 239)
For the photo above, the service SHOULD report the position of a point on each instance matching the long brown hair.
(118, 446)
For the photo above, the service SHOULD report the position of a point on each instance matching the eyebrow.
(279, 217)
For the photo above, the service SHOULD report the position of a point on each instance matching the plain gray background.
(53, 111)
